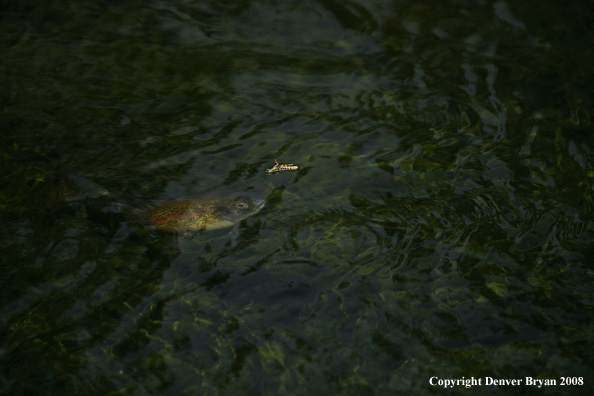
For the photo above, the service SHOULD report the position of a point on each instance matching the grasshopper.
(282, 167)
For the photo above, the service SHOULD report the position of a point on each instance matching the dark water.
(440, 224)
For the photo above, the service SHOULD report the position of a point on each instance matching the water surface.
(440, 223)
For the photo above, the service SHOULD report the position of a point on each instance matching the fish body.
(200, 212)
(208, 211)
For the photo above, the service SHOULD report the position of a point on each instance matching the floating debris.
(282, 167)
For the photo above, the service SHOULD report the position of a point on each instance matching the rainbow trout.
(207, 211)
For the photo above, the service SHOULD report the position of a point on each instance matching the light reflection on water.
(440, 222)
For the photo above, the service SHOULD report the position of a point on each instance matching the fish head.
(235, 207)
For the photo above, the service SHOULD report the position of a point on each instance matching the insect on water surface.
(282, 167)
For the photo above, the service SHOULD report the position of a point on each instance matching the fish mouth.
(260, 204)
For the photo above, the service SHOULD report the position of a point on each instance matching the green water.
(440, 224)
